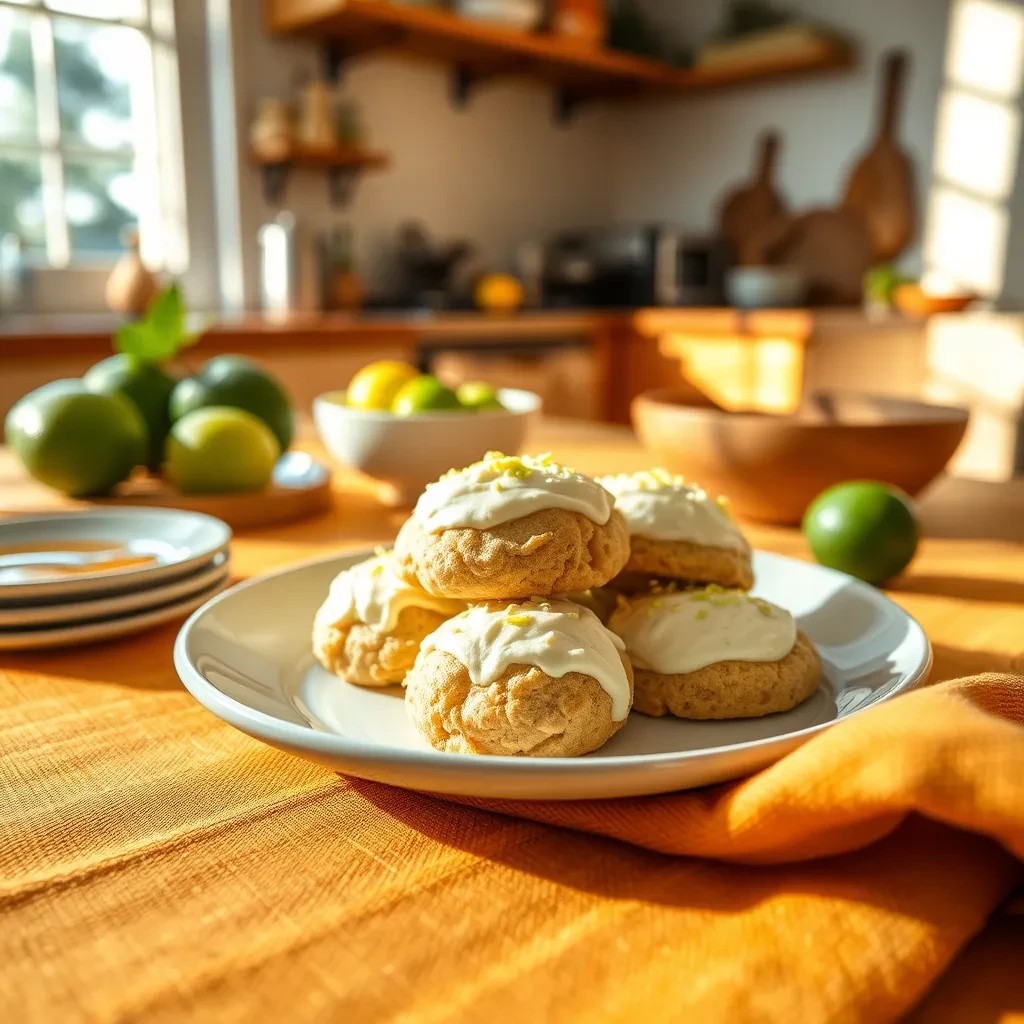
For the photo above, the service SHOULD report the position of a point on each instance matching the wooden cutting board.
(881, 186)
(833, 249)
(749, 206)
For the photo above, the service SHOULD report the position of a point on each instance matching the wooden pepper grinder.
(131, 286)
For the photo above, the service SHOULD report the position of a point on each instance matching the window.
(90, 140)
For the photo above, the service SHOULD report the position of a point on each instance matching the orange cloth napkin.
(862, 936)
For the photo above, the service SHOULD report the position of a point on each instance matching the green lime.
(863, 528)
(375, 385)
(74, 440)
(424, 394)
(478, 395)
(236, 382)
(145, 384)
(218, 450)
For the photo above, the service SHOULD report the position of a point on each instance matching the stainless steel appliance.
(648, 265)
(289, 281)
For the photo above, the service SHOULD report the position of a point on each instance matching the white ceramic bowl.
(404, 454)
(765, 287)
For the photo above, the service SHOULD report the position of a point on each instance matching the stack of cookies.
(491, 610)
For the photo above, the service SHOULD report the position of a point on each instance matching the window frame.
(68, 281)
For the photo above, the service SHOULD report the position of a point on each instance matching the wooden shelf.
(479, 51)
(343, 164)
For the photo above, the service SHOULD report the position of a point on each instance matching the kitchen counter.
(762, 359)
(66, 333)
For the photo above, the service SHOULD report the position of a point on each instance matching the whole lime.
(863, 528)
(424, 394)
(75, 440)
(478, 396)
(376, 384)
(238, 383)
(218, 450)
(145, 384)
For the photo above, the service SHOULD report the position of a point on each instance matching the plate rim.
(278, 731)
(216, 569)
(99, 581)
(12, 643)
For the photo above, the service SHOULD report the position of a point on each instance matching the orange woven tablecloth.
(157, 865)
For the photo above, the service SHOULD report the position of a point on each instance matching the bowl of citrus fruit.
(402, 428)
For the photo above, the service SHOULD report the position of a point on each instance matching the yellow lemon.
(376, 384)
(499, 293)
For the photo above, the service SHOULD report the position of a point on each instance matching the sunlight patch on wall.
(986, 51)
(965, 242)
(976, 147)
(976, 144)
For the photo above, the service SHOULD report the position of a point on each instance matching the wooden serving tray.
(301, 488)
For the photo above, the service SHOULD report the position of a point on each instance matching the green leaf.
(166, 315)
(160, 334)
(139, 341)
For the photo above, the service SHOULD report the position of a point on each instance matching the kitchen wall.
(675, 157)
(500, 171)
(497, 172)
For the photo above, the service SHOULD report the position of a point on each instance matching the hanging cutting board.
(749, 206)
(881, 185)
(833, 249)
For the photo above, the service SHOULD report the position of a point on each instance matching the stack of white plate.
(78, 577)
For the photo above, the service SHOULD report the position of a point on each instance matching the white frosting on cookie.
(681, 632)
(555, 636)
(663, 506)
(371, 592)
(500, 488)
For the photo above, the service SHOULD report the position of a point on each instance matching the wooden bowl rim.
(677, 402)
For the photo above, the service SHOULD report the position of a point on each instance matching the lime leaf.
(166, 316)
(160, 334)
(140, 341)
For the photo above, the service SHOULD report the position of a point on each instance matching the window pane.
(17, 88)
(129, 10)
(21, 200)
(99, 202)
(95, 67)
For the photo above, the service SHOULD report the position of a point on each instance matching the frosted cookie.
(715, 653)
(512, 527)
(677, 531)
(370, 627)
(538, 679)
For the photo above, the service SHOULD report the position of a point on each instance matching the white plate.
(105, 629)
(246, 657)
(215, 571)
(180, 542)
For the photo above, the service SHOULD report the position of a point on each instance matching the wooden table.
(176, 861)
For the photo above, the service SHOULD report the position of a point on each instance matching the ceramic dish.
(37, 639)
(173, 543)
(246, 657)
(405, 453)
(300, 488)
(216, 571)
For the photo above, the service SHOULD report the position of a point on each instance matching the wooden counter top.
(75, 334)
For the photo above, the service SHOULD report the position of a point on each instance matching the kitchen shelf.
(344, 165)
(479, 51)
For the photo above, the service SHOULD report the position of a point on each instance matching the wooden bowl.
(913, 300)
(772, 467)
